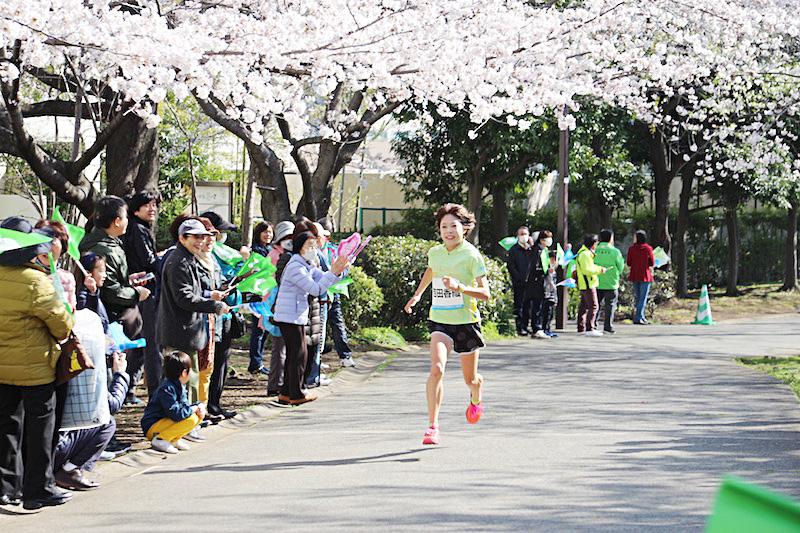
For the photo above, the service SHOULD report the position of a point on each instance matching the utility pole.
(562, 231)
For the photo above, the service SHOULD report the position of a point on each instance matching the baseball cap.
(219, 222)
(193, 227)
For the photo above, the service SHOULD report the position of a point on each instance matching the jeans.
(607, 298)
(547, 315)
(315, 362)
(82, 447)
(28, 410)
(640, 291)
(258, 337)
(521, 310)
(587, 310)
(338, 330)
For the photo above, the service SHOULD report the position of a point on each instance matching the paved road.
(624, 433)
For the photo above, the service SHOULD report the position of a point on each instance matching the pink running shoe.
(431, 435)
(474, 412)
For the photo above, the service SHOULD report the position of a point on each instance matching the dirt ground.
(242, 391)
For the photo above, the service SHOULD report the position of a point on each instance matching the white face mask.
(222, 238)
(548, 242)
(310, 255)
(522, 240)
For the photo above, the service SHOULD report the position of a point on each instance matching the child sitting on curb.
(168, 416)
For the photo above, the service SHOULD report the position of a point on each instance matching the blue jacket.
(298, 281)
(169, 401)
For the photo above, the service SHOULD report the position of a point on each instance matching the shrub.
(381, 336)
(366, 300)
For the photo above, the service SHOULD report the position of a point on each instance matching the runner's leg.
(469, 367)
(441, 345)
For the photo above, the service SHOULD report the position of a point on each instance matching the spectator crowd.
(85, 323)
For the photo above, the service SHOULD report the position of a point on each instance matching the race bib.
(444, 298)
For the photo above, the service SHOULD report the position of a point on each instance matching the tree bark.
(266, 171)
(132, 158)
(680, 258)
(732, 225)
(474, 204)
(790, 267)
(499, 217)
(662, 181)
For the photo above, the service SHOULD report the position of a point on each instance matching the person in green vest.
(587, 273)
(608, 256)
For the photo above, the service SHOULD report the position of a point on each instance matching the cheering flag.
(75, 234)
(545, 258)
(260, 283)
(661, 257)
(507, 243)
(227, 254)
(340, 287)
(13, 240)
(559, 255)
(255, 263)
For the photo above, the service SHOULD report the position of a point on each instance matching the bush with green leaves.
(363, 307)
(397, 264)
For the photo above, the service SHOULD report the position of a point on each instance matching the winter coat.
(640, 259)
(32, 318)
(117, 293)
(140, 249)
(519, 263)
(534, 284)
(587, 270)
(169, 401)
(298, 281)
(181, 324)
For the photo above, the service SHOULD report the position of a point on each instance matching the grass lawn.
(756, 300)
(786, 369)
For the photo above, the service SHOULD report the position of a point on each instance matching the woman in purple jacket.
(300, 279)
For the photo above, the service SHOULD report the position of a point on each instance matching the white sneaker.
(324, 381)
(594, 333)
(541, 335)
(106, 456)
(161, 445)
(348, 362)
(324, 366)
(195, 436)
(182, 445)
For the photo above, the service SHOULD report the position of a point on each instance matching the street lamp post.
(562, 231)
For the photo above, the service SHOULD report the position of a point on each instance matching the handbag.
(72, 361)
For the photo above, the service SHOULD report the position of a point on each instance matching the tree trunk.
(132, 158)
(732, 225)
(790, 272)
(662, 180)
(499, 217)
(680, 259)
(266, 171)
(474, 204)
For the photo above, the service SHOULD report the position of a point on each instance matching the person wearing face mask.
(518, 262)
(33, 318)
(281, 245)
(534, 285)
(299, 280)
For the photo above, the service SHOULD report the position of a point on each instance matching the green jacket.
(587, 270)
(606, 255)
(117, 293)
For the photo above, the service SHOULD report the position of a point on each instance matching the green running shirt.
(465, 263)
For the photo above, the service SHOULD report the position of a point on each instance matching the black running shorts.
(466, 337)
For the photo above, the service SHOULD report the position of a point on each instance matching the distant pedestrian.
(534, 284)
(608, 256)
(641, 261)
(519, 263)
(550, 296)
(588, 282)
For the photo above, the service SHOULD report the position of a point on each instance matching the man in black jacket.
(140, 250)
(519, 263)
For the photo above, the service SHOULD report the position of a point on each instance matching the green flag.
(570, 268)
(507, 243)
(559, 254)
(661, 257)
(260, 283)
(255, 262)
(75, 234)
(227, 254)
(340, 287)
(12, 240)
(56, 279)
(545, 258)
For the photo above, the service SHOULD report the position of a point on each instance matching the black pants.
(153, 360)
(521, 311)
(607, 301)
(294, 369)
(34, 407)
(222, 353)
(534, 306)
(547, 314)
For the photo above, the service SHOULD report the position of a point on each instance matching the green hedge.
(397, 264)
(363, 307)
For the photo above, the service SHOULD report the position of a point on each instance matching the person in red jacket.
(641, 262)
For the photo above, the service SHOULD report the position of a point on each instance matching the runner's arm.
(426, 280)
(481, 292)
